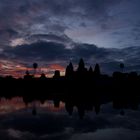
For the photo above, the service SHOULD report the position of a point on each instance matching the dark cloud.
(90, 51)
(50, 52)
(106, 23)
(31, 16)
(40, 50)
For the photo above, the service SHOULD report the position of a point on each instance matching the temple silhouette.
(84, 88)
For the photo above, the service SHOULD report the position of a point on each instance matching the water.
(17, 121)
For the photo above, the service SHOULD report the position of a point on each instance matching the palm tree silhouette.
(35, 66)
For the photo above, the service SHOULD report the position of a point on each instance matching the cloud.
(49, 53)
(57, 51)
(41, 50)
(63, 39)
(29, 17)
(16, 135)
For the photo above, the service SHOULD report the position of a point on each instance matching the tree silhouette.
(43, 76)
(27, 75)
(35, 66)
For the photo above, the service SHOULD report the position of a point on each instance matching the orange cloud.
(57, 67)
(18, 70)
(8, 106)
(17, 103)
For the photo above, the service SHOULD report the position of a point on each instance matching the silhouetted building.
(97, 70)
(81, 71)
(56, 74)
(81, 66)
(69, 71)
(85, 90)
(90, 70)
(90, 73)
(28, 76)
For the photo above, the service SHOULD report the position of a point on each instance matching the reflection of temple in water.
(58, 105)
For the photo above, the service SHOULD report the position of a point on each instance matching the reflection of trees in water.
(83, 104)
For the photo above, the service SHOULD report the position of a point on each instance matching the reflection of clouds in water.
(17, 104)
(11, 105)
(109, 134)
(12, 134)
(50, 125)
(19, 134)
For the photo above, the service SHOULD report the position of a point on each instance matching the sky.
(52, 33)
